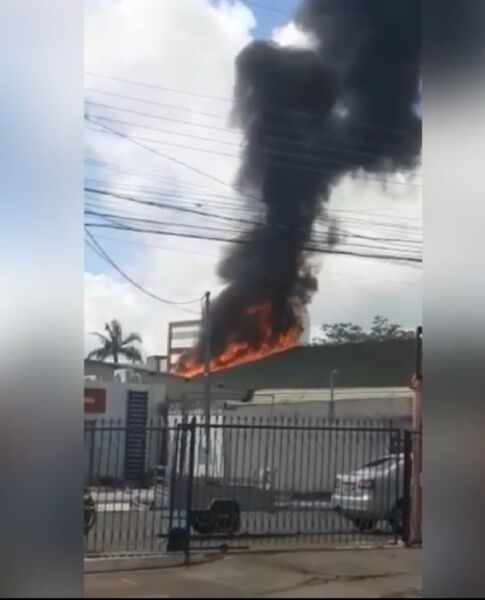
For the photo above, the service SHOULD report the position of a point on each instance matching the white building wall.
(309, 461)
(216, 462)
(353, 408)
(105, 434)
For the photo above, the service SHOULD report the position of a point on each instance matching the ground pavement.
(381, 573)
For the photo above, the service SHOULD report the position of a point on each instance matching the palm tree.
(115, 345)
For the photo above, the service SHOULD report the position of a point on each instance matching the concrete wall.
(299, 461)
(309, 461)
(395, 408)
(216, 462)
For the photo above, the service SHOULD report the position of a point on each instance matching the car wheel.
(396, 518)
(364, 524)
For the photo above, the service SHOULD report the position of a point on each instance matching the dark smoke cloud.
(310, 117)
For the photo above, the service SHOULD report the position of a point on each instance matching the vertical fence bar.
(259, 526)
(335, 470)
(317, 485)
(244, 505)
(306, 487)
(277, 496)
(357, 442)
(407, 473)
(390, 488)
(173, 482)
(288, 474)
(344, 468)
(349, 466)
(329, 481)
(92, 432)
(398, 478)
(190, 485)
(268, 472)
(118, 425)
(142, 539)
(108, 473)
(356, 445)
(155, 453)
(272, 498)
(101, 494)
(324, 487)
(254, 496)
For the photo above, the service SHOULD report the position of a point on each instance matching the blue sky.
(270, 14)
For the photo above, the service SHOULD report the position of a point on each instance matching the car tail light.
(366, 484)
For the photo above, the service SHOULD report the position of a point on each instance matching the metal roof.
(367, 364)
(290, 396)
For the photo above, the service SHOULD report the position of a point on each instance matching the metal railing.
(285, 480)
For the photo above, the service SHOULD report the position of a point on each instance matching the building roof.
(178, 390)
(367, 364)
(291, 396)
(301, 372)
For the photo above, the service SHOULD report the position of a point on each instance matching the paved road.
(384, 573)
(127, 531)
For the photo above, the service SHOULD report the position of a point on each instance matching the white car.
(372, 493)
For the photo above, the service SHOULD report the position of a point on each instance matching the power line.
(185, 203)
(308, 248)
(101, 252)
(303, 158)
(153, 103)
(330, 272)
(162, 154)
(276, 109)
(282, 226)
(199, 171)
(116, 218)
(205, 214)
(226, 130)
(209, 195)
(111, 197)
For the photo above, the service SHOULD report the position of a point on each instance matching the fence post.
(407, 474)
(190, 486)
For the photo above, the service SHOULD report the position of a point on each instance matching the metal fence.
(241, 482)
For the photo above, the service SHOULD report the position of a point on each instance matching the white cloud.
(191, 45)
(183, 45)
(291, 35)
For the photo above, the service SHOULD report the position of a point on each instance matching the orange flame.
(238, 353)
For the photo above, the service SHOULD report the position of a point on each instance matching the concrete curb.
(139, 563)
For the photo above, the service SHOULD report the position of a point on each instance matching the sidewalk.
(383, 573)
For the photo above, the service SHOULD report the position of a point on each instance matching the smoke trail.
(310, 117)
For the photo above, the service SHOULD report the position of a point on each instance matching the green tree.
(115, 345)
(382, 329)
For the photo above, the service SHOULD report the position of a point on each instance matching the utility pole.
(207, 378)
(331, 412)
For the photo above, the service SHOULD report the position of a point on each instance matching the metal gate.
(295, 481)
(280, 481)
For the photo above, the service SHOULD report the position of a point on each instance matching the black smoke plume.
(309, 117)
